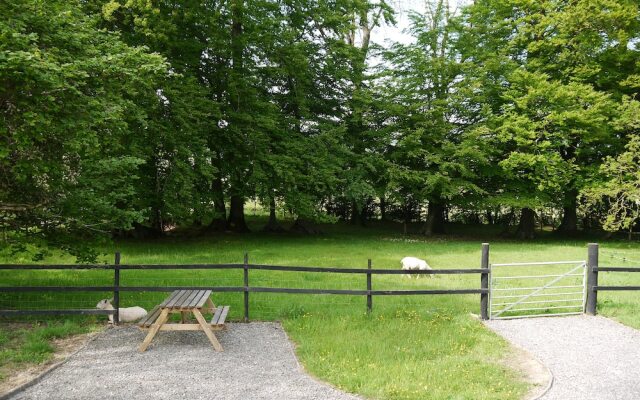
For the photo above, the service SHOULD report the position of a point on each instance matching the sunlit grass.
(405, 354)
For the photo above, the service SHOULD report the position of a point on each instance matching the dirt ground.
(533, 371)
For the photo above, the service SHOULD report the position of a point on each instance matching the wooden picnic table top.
(186, 299)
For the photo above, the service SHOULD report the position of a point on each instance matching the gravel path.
(258, 363)
(590, 357)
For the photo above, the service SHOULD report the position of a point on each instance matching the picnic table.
(185, 302)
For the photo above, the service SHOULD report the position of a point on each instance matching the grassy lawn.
(409, 347)
(23, 345)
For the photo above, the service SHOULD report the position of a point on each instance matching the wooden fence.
(246, 289)
(593, 288)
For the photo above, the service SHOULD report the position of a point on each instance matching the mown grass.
(23, 345)
(405, 354)
(410, 347)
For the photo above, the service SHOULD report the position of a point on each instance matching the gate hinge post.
(592, 279)
(484, 282)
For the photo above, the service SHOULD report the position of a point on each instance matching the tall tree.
(360, 171)
(584, 42)
(548, 135)
(179, 169)
(564, 42)
(434, 157)
(70, 99)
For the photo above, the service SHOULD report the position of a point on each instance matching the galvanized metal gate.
(540, 292)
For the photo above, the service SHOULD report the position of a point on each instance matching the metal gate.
(539, 293)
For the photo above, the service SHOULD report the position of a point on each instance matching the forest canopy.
(128, 117)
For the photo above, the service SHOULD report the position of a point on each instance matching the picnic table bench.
(185, 302)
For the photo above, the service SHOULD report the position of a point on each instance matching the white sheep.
(128, 314)
(413, 263)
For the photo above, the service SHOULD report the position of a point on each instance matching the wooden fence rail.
(592, 279)
(593, 269)
(246, 289)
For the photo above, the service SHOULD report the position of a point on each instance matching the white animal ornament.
(415, 264)
(128, 314)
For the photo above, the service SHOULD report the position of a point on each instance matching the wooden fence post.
(246, 287)
(116, 289)
(369, 297)
(592, 279)
(484, 282)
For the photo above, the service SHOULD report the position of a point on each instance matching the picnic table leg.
(162, 318)
(207, 330)
(183, 315)
(210, 306)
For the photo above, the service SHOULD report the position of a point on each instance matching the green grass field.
(408, 347)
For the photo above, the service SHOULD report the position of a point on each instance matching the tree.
(582, 42)
(617, 186)
(434, 157)
(196, 106)
(548, 137)
(568, 43)
(276, 71)
(70, 99)
(180, 173)
(359, 137)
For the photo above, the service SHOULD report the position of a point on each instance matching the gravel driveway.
(590, 357)
(258, 363)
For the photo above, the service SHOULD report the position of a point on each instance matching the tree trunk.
(237, 47)
(305, 227)
(358, 214)
(569, 224)
(354, 213)
(527, 225)
(505, 220)
(140, 231)
(474, 218)
(236, 222)
(157, 222)
(343, 209)
(273, 225)
(363, 214)
(383, 208)
(156, 219)
(489, 217)
(406, 208)
(219, 222)
(434, 224)
(591, 223)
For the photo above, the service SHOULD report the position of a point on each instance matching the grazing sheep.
(128, 314)
(413, 263)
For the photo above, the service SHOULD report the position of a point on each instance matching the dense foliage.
(130, 117)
